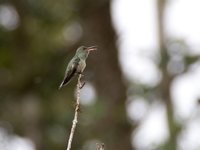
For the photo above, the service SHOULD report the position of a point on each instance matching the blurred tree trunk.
(166, 78)
(113, 127)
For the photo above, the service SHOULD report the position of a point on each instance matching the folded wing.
(70, 72)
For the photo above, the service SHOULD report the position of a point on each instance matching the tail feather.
(61, 85)
(68, 77)
(66, 80)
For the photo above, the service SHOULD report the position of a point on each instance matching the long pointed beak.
(91, 48)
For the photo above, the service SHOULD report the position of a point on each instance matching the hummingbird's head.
(83, 51)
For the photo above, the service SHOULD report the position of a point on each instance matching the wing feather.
(70, 71)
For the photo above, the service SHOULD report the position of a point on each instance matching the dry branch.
(75, 120)
(100, 146)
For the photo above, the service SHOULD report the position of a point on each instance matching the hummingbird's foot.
(80, 73)
(82, 85)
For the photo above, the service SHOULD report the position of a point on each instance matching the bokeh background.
(142, 87)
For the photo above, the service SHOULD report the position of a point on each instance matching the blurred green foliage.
(32, 61)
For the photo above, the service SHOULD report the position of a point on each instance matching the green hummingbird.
(77, 64)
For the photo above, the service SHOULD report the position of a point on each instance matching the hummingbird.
(77, 64)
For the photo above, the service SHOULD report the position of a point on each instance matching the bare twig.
(100, 146)
(75, 120)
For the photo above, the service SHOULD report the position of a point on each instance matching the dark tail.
(61, 85)
(67, 79)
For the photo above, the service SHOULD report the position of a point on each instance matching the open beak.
(91, 48)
